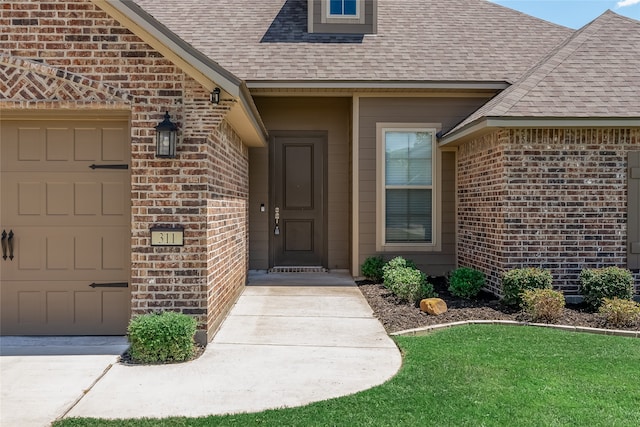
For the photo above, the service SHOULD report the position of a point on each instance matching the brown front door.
(66, 269)
(298, 199)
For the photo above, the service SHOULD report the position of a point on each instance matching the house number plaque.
(167, 236)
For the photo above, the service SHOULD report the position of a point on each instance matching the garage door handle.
(10, 244)
(4, 244)
(110, 285)
(109, 166)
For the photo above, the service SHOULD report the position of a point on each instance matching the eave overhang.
(485, 125)
(243, 116)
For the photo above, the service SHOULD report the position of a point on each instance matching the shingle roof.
(593, 74)
(417, 40)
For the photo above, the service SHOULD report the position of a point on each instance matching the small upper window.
(347, 8)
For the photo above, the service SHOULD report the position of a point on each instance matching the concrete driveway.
(291, 339)
(41, 378)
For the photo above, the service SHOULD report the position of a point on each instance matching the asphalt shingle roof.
(417, 40)
(593, 74)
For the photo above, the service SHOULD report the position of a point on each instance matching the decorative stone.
(433, 306)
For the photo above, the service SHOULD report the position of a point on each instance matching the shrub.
(620, 312)
(399, 262)
(518, 280)
(161, 338)
(372, 268)
(599, 283)
(406, 282)
(543, 305)
(465, 282)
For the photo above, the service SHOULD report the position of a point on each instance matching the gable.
(24, 80)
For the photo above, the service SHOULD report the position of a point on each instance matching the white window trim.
(381, 245)
(327, 18)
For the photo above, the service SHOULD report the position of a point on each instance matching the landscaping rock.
(433, 306)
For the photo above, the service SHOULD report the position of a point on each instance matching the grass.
(477, 375)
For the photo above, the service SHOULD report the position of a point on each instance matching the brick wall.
(549, 198)
(68, 54)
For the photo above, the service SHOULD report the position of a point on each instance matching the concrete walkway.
(291, 339)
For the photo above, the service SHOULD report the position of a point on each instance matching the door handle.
(276, 230)
(4, 244)
(10, 244)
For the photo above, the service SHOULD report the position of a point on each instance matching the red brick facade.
(68, 54)
(550, 198)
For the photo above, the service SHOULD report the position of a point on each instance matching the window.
(343, 8)
(406, 212)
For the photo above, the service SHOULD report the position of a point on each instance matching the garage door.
(65, 227)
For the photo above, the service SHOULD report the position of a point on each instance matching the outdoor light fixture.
(215, 96)
(166, 138)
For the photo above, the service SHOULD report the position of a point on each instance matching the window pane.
(335, 7)
(350, 7)
(408, 158)
(408, 216)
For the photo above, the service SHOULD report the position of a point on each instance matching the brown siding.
(549, 198)
(305, 114)
(447, 112)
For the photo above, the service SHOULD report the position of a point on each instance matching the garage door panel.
(59, 145)
(113, 252)
(81, 199)
(26, 196)
(71, 227)
(48, 146)
(30, 145)
(86, 253)
(90, 254)
(113, 198)
(59, 251)
(66, 308)
(87, 198)
(86, 144)
(59, 198)
(112, 149)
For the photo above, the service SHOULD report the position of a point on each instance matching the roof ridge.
(561, 52)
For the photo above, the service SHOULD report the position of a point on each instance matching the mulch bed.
(397, 316)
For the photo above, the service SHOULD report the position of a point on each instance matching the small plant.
(465, 282)
(161, 338)
(620, 312)
(405, 281)
(599, 283)
(543, 305)
(518, 280)
(372, 268)
(399, 262)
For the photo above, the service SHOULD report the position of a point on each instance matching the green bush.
(372, 268)
(543, 305)
(620, 312)
(161, 338)
(518, 280)
(405, 281)
(399, 262)
(465, 282)
(599, 283)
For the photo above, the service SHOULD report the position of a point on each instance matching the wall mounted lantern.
(215, 96)
(166, 138)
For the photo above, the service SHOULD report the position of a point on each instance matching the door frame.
(324, 135)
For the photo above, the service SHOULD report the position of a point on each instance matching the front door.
(298, 164)
(65, 222)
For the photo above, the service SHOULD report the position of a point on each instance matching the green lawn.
(478, 375)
